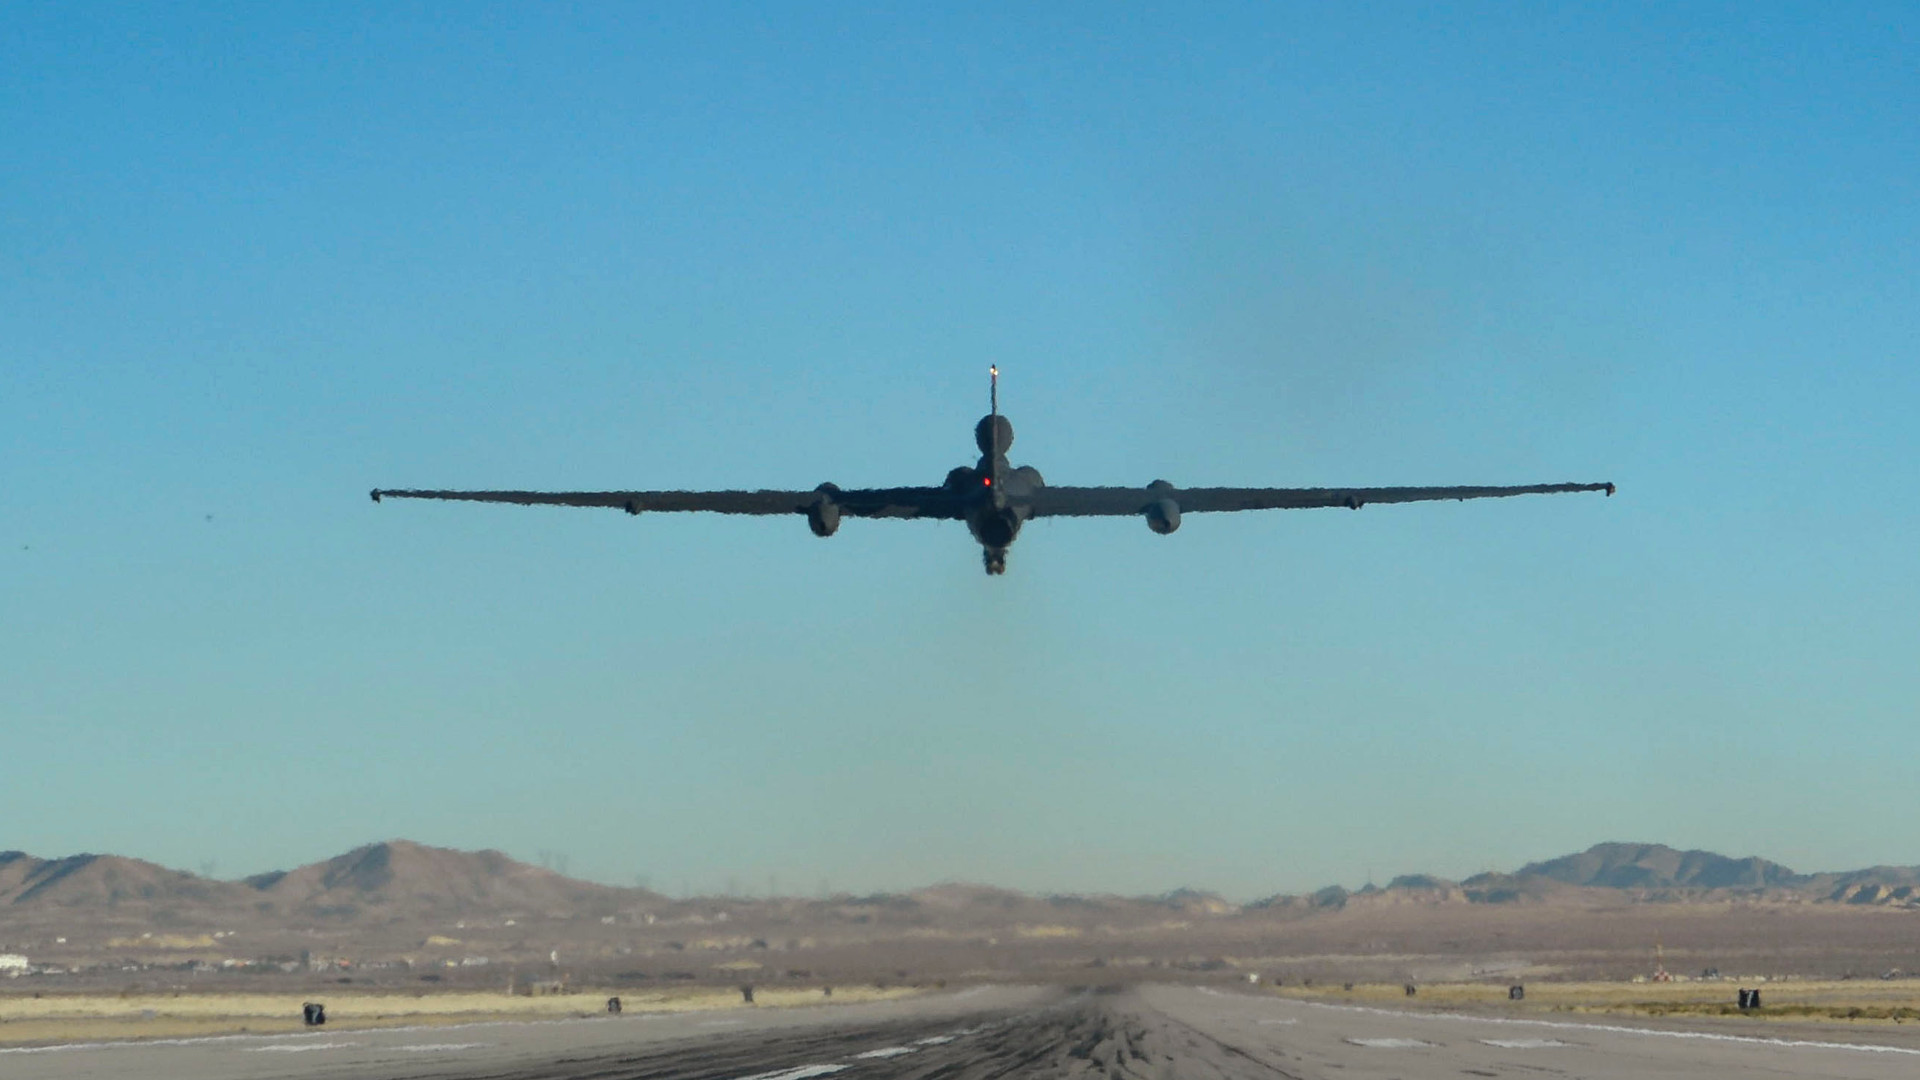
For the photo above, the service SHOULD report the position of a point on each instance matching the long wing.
(1125, 502)
(861, 502)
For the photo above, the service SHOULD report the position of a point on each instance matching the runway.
(1151, 1032)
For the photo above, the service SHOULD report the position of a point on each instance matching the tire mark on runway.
(1110, 1040)
(1085, 1037)
(761, 1055)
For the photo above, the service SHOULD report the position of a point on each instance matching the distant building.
(13, 965)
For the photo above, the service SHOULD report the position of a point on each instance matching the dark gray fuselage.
(997, 496)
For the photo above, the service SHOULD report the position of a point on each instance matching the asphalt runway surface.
(1154, 1032)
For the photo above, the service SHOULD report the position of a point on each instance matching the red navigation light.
(987, 480)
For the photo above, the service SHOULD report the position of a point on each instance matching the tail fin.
(993, 387)
(993, 435)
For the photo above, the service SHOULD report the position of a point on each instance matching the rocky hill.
(1612, 873)
(401, 879)
(105, 882)
(384, 882)
(1657, 866)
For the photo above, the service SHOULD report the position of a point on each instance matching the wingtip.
(374, 494)
(1609, 489)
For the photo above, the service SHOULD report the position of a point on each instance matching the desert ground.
(406, 945)
(43, 1019)
(50, 1019)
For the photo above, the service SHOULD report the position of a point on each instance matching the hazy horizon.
(740, 887)
(260, 261)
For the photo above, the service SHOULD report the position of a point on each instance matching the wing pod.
(1163, 515)
(823, 517)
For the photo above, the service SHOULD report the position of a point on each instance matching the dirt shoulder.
(1891, 1002)
(27, 1020)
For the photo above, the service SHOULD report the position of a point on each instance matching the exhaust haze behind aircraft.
(992, 496)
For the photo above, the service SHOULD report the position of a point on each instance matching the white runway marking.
(933, 1040)
(1390, 1044)
(886, 1052)
(299, 1048)
(1622, 1029)
(1525, 1044)
(428, 1048)
(801, 1073)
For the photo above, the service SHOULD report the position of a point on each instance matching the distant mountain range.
(400, 880)
(1658, 873)
(396, 879)
(1657, 867)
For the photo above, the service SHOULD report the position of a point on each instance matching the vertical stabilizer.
(993, 435)
(998, 453)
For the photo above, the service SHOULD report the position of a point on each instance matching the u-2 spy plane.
(992, 496)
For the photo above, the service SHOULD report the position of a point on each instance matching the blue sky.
(255, 260)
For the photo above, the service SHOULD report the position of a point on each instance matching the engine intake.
(823, 517)
(1163, 516)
